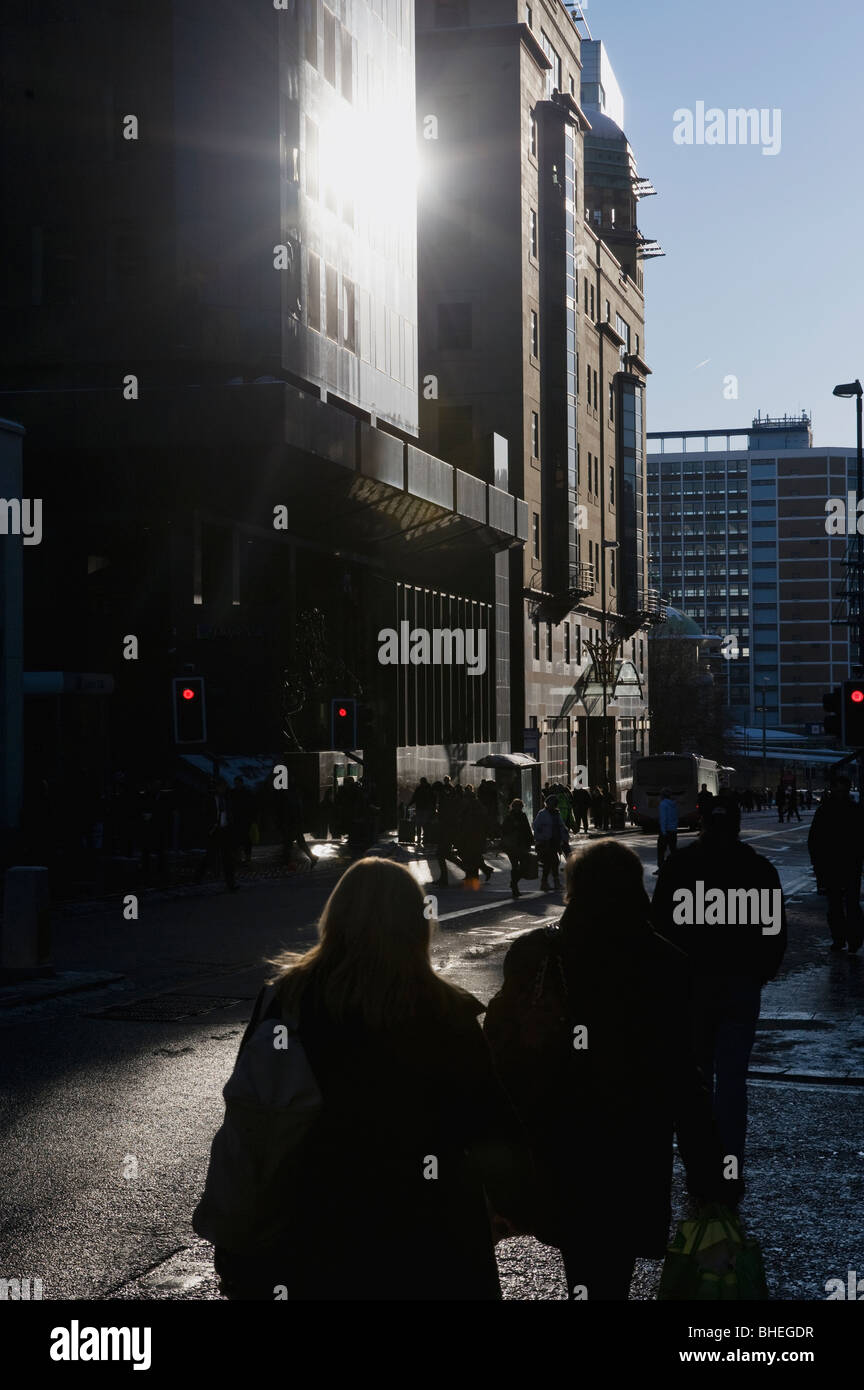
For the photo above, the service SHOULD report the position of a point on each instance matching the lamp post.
(846, 389)
(763, 709)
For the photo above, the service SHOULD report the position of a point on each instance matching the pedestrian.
(471, 838)
(445, 826)
(243, 814)
(220, 834)
(581, 799)
(780, 797)
(600, 1068)
(704, 802)
(423, 802)
(415, 1134)
(327, 820)
(487, 795)
(552, 840)
(667, 840)
(517, 841)
(597, 808)
(730, 962)
(836, 845)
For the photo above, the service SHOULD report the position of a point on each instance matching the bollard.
(25, 936)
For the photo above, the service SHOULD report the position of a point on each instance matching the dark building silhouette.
(209, 290)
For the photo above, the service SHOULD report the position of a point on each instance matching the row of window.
(329, 48)
(377, 334)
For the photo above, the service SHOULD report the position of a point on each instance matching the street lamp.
(846, 389)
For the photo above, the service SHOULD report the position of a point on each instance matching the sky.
(762, 275)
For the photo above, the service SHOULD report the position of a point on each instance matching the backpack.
(272, 1102)
(527, 1025)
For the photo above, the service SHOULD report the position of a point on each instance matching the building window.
(347, 69)
(536, 640)
(567, 644)
(454, 326)
(608, 312)
(612, 486)
(349, 336)
(611, 401)
(455, 428)
(612, 568)
(331, 289)
(529, 15)
(595, 390)
(592, 301)
(533, 135)
(311, 159)
(548, 641)
(535, 435)
(535, 335)
(572, 85)
(532, 222)
(588, 384)
(313, 292)
(312, 32)
(535, 542)
(585, 287)
(450, 14)
(596, 476)
(329, 46)
(578, 645)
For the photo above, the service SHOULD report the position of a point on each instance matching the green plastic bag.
(711, 1258)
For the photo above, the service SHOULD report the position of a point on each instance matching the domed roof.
(678, 624)
(602, 126)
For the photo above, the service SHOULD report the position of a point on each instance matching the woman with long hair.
(415, 1135)
(600, 1068)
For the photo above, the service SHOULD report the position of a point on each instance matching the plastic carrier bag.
(712, 1258)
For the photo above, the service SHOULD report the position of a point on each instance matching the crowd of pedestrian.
(616, 1030)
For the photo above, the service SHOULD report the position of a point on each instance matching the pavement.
(110, 1086)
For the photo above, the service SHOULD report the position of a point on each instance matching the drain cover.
(167, 1008)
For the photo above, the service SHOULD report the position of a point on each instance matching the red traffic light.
(856, 696)
(342, 712)
(188, 694)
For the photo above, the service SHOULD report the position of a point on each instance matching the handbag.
(711, 1258)
(272, 1102)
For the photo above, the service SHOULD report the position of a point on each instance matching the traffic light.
(833, 721)
(343, 723)
(853, 713)
(190, 711)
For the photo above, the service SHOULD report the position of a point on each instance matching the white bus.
(683, 774)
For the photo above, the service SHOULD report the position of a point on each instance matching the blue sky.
(762, 273)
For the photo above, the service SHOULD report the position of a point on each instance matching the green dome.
(677, 624)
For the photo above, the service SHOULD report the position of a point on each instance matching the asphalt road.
(107, 1119)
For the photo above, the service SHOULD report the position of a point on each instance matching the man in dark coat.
(730, 960)
(602, 1103)
(581, 799)
(471, 837)
(517, 841)
(487, 795)
(836, 845)
(423, 802)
